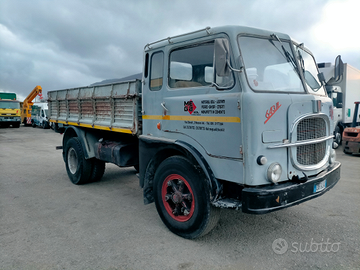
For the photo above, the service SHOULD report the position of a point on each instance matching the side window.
(156, 71)
(192, 66)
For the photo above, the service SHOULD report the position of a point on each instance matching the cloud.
(335, 34)
(70, 43)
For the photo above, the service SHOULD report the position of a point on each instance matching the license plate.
(320, 186)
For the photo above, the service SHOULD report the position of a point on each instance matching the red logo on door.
(189, 106)
(269, 113)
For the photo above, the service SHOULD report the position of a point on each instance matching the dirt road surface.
(48, 223)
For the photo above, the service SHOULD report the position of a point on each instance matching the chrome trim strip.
(319, 140)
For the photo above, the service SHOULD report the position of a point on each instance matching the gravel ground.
(48, 223)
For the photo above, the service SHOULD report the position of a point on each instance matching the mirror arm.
(233, 69)
(218, 86)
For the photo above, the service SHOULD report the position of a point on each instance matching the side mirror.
(321, 78)
(339, 68)
(209, 74)
(222, 57)
(339, 100)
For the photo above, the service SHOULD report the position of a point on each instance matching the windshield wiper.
(287, 55)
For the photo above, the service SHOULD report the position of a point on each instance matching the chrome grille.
(310, 129)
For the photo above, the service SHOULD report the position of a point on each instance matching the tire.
(45, 125)
(182, 199)
(78, 168)
(338, 136)
(17, 125)
(98, 170)
(33, 124)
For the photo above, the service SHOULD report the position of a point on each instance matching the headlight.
(332, 156)
(274, 172)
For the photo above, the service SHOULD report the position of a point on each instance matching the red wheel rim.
(178, 198)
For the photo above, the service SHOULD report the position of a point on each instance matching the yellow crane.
(26, 108)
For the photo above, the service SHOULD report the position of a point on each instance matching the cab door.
(193, 109)
(153, 110)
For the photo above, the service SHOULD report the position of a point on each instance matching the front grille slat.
(311, 129)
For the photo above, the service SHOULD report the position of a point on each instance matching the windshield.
(9, 105)
(310, 72)
(267, 68)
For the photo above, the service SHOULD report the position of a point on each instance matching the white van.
(39, 115)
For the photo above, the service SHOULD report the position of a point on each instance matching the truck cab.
(39, 115)
(9, 110)
(249, 103)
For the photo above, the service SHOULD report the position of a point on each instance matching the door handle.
(165, 109)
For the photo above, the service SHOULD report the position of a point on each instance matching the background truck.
(28, 102)
(9, 110)
(344, 91)
(351, 135)
(39, 115)
(225, 117)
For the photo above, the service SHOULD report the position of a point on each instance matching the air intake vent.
(311, 129)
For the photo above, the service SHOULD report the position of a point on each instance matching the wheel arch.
(86, 138)
(154, 151)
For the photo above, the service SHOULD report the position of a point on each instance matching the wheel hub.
(72, 160)
(178, 198)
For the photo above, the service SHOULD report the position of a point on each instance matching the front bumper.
(10, 119)
(261, 200)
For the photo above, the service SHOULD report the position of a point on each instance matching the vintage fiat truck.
(225, 117)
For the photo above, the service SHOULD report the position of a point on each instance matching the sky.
(61, 44)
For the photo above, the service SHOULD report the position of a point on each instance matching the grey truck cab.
(226, 117)
(248, 107)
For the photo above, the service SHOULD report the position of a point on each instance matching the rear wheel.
(182, 199)
(98, 169)
(78, 168)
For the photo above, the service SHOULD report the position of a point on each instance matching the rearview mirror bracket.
(222, 58)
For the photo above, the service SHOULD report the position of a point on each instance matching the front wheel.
(338, 136)
(78, 168)
(182, 199)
